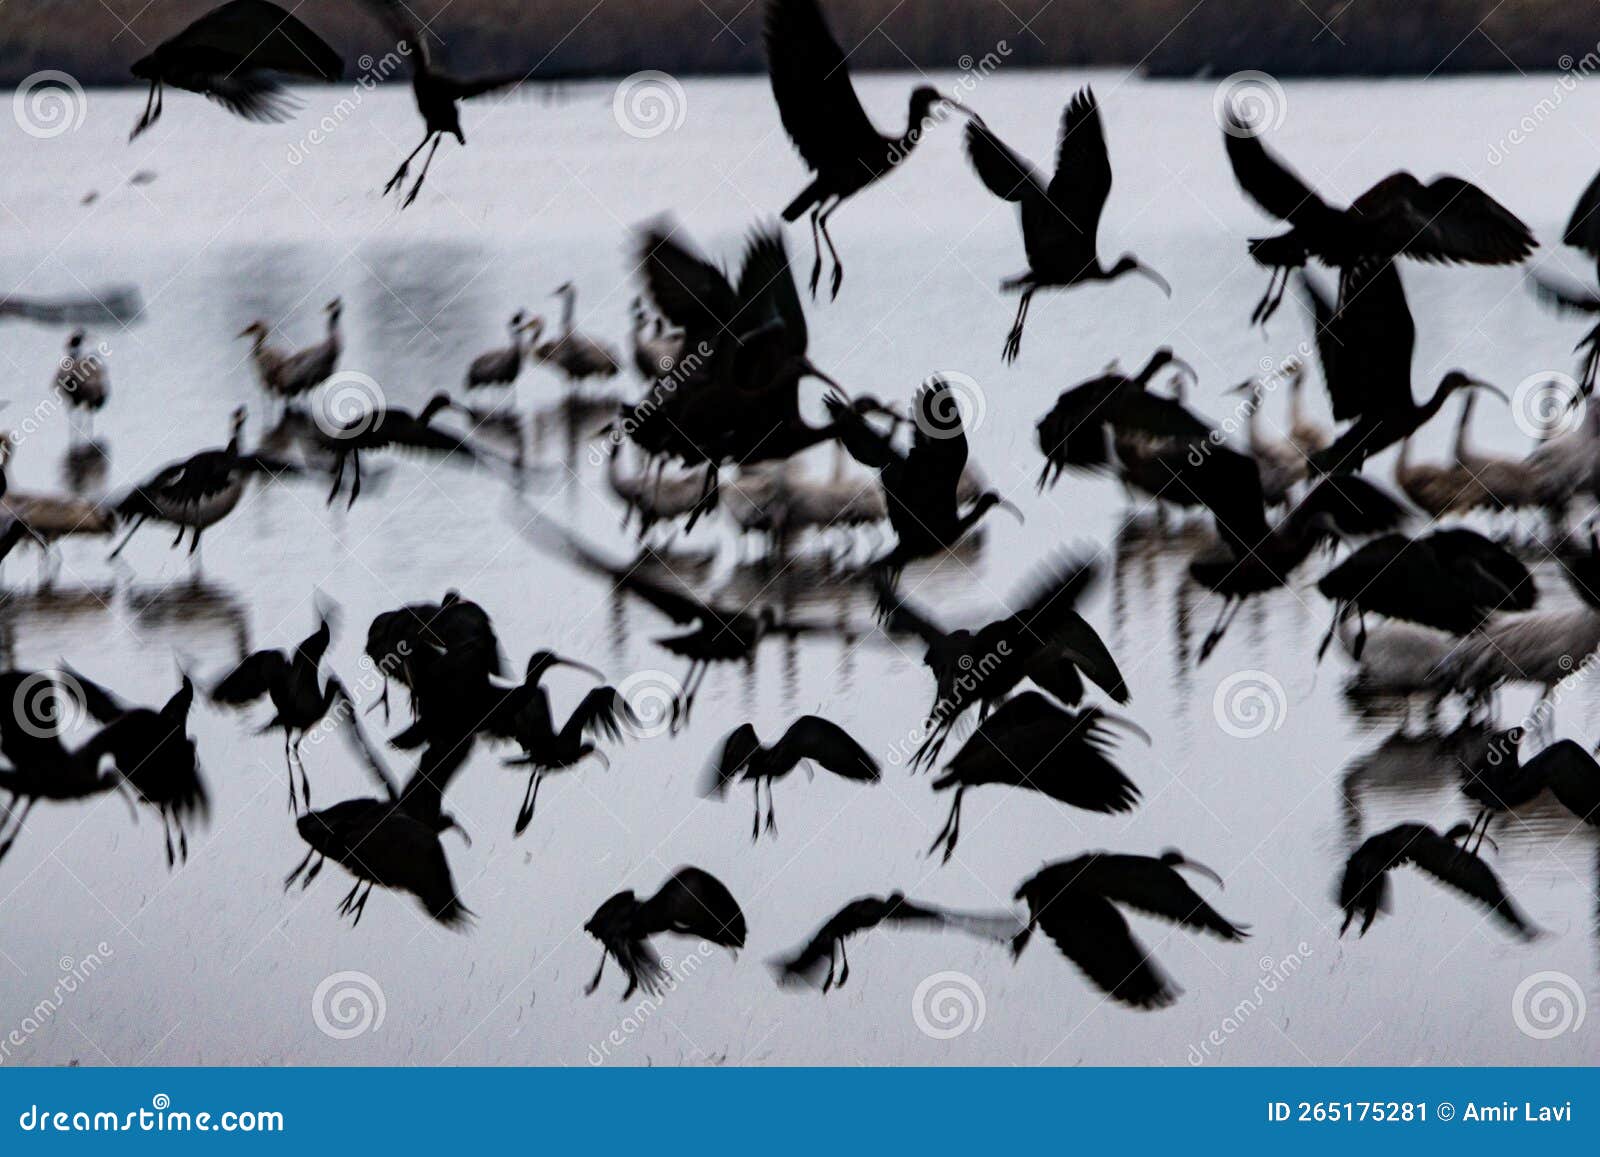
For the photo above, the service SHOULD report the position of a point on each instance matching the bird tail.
(452, 913)
(1285, 251)
(808, 197)
(1020, 940)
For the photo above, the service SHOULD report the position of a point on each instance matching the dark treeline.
(89, 39)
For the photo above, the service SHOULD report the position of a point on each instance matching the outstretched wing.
(831, 746)
(688, 290)
(260, 35)
(1004, 173)
(1082, 181)
(695, 903)
(251, 679)
(1092, 934)
(811, 83)
(1269, 182)
(99, 701)
(1583, 228)
(1447, 219)
(1155, 887)
(731, 757)
(1446, 862)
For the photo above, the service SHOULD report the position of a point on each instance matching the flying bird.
(809, 739)
(1364, 888)
(692, 902)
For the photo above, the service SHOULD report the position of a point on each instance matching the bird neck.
(569, 310)
(1463, 424)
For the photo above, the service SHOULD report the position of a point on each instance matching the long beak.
(1131, 727)
(1012, 509)
(1243, 387)
(1184, 862)
(246, 332)
(595, 671)
(808, 367)
(1161, 282)
(958, 106)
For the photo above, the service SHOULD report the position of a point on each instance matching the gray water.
(215, 964)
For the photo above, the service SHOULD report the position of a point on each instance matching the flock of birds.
(720, 426)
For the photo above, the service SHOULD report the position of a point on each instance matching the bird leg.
(16, 827)
(530, 798)
(844, 960)
(349, 901)
(288, 766)
(951, 830)
(1230, 607)
(152, 110)
(598, 972)
(361, 904)
(338, 477)
(772, 819)
(1276, 287)
(312, 874)
(755, 822)
(305, 780)
(298, 868)
(816, 245)
(166, 834)
(1013, 344)
(355, 484)
(422, 176)
(838, 266)
(405, 166)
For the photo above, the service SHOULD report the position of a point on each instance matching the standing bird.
(1364, 888)
(1365, 343)
(822, 961)
(153, 752)
(576, 355)
(383, 427)
(289, 376)
(692, 902)
(809, 739)
(82, 379)
(44, 518)
(820, 111)
(1075, 902)
(500, 367)
(1045, 640)
(1446, 220)
(1060, 220)
(1031, 743)
(436, 93)
(923, 483)
(293, 683)
(230, 55)
(1500, 780)
(655, 351)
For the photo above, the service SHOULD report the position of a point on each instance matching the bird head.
(333, 309)
(533, 326)
(439, 401)
(1461, 380)
(517, 320)
(236, 421)
(990, 498)
(928, 105)
(541, 661)
(565, 289)
(1160, 360)
(1128, 263)
(1176, 859)
(75, 339)
(256, 329)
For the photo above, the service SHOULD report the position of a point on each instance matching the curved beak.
(1182, 861)
(808, 367)
(958, 106)
(245, 332)
(1012, 509)
(1129, 725)
(1161, 282)
(1243, 387)
(595, 671)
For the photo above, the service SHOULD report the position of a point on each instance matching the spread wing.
(260, 35)
(1269, 182)
(695, 903)
(1004, 173)
(831, 746)
(1446, 220)
(811, 83)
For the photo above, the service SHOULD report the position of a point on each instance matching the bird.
(716, 634)
(300, 698)
(436, 92)
(1502, 483)
(1365, 343)
(1076, 903)
(1364, 888)
(198, 492)
(1280, 461)
(1060, 220)
(692, 902)
(822, 961)
(43, 518)
(82, 379)
(823, 117)
(1498, 779)
(578, 356)
(381, 427)
(653, 495)
(1447, 220)
(1029, 742)
(500, 367)
(921, 484)
(655, 351)
(1452, 579)
(1045, 639)
(154, 754)
(1436, 488)
(231, 55)
(1073, 434)
(1583, 233)
(443, 654)
(1307, 435)
(809, 739)
(288, 376)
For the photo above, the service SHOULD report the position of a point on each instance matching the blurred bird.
(1364, 889)
(809, 739)
(692, 902)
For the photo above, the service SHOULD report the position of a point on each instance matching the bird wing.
(1365, 343)
(901, 616)
(600, 713)
(695, 903)
(1093, 935)
(1503, 581)
(731, 757)
(252, 678)
(766, 292)
(1082, 180)
(1269, 182)
(689, 291)
(938, 454)
(1228, 484)
(468, 87)
(253, 95)
(99, 701)
(865, 444)
(811, 83)
(1446, 220)
(828, 744)
(1081, 643)
(1583, 228)
(1572, 775)
(262, 36)
(1004, 173)
(1156, 888)
(1357, 507)
(1447, 862)
(396, 18)
(1566, 296)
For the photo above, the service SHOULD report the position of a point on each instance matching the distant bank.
(95, 40)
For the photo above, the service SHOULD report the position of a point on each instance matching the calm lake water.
(215, 964)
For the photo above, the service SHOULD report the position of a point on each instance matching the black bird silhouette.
(443, 654)
(1365, 344)
(1499, 779)
(692, 902)
(436, 93)
(230, 55)
(153, 753)
(1075, 434)
(1446, 220)
(1045, 640)
(1451, 579)
(809, 739)
(1582, 232)
(719, 634)
(822, 962)
(1029, 742)
(823, 117)
(38, 766)
(384, 426)
(294, 684)
(923, 483)
(1252, 557)
(1364, 889)
(1075, 902)
(1060, 221)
